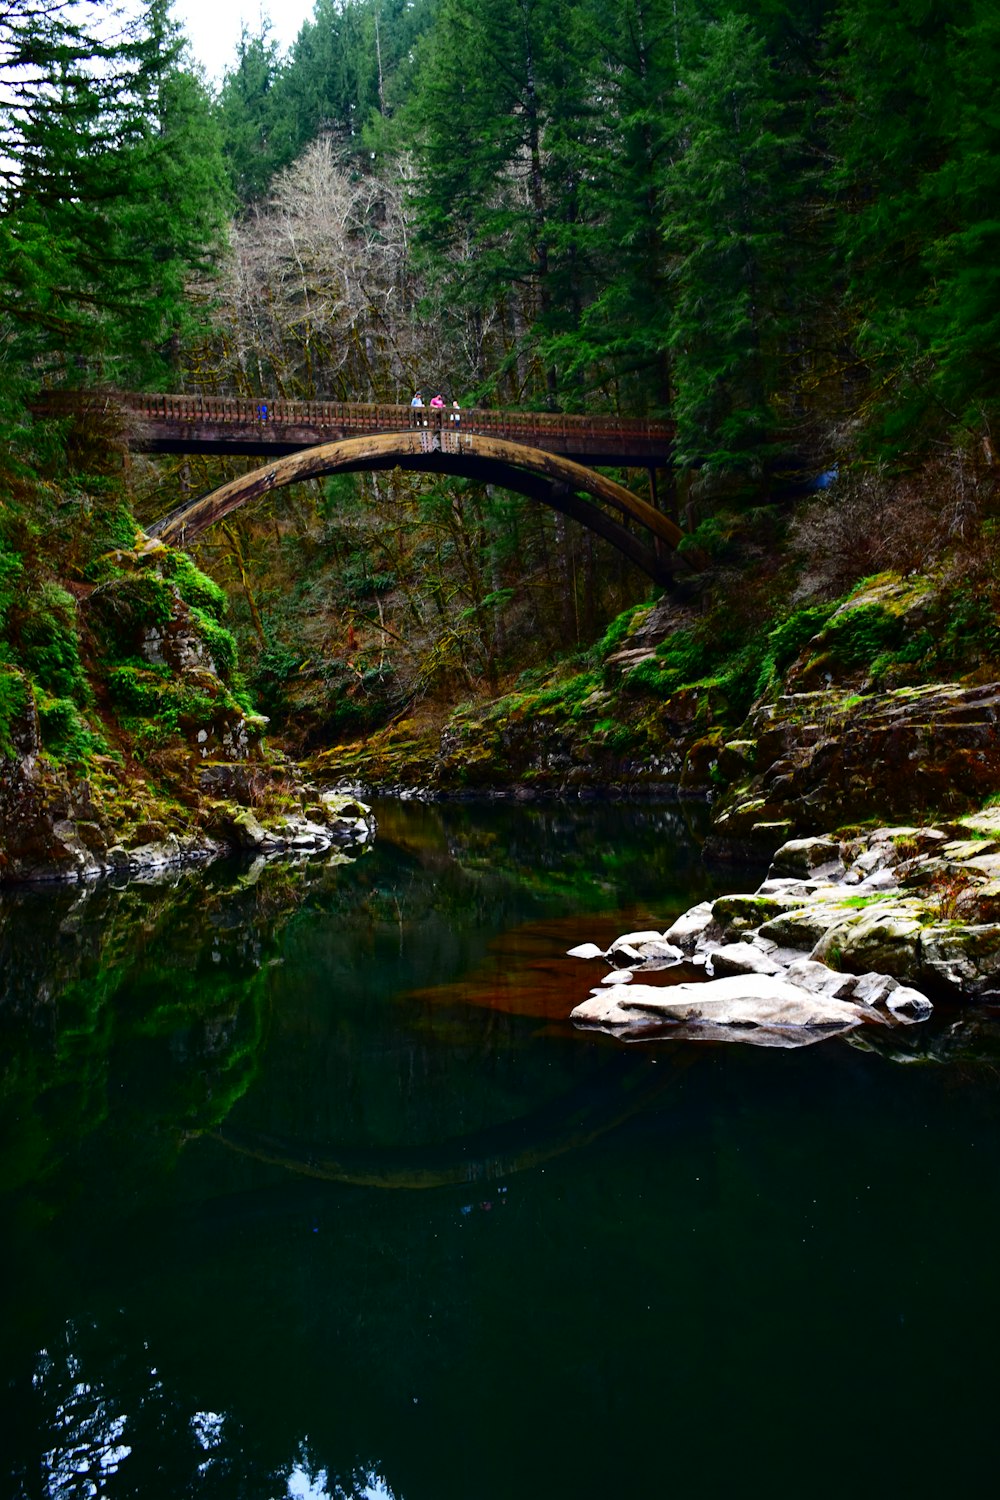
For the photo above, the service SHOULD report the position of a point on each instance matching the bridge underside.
(550, 478)
(277, 443)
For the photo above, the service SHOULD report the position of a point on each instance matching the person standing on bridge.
(416, 406)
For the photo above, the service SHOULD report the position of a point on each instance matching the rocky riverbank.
(834, 738)
(865, 932)
(57, 827)
(157, 761)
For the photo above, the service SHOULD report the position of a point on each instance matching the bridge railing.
(353, 416)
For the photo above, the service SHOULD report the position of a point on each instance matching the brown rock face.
(825, 759)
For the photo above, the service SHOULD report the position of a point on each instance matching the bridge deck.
(225, 424)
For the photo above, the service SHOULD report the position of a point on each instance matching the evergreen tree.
(727, 204)
(619, 340)
(496, 108)
(963, 262)
(348, 63)
(345, 67)
(909, 120)
(256, 140)
(114, 197)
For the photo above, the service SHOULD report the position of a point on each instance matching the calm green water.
(309, 1189)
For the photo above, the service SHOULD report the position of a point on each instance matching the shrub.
(137, 690)
(66, 735)
(274, 667)
(45, 632)
(154, 707)
(11, 574)
(359, 582)
(971, 625)
(13, 704)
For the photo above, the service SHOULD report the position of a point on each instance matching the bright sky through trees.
(213, 26)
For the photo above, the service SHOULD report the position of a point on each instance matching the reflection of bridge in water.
(565, 1124)
(544, 455)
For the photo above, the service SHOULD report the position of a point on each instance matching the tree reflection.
(195, 1301)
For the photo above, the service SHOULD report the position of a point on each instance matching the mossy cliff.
(127, 738)
(823, 719)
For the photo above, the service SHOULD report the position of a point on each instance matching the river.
(310, 1189)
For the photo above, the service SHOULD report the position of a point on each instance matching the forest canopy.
(774, 224)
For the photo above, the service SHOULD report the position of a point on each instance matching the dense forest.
(774, 223)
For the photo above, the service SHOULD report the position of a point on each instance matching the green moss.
(746, 912)
(220, 642)
(112, 528)
(856, 638)
(127, 604)
(197, 590)
(692, 660)
(786, 640)
(619, 630)
(155, 707)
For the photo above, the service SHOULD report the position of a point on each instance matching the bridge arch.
(550, 478)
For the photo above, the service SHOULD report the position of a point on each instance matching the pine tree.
(496, 108)
(618, 343)
(963, 262)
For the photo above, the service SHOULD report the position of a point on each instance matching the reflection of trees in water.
(119, 1427)
(128, 1016)
(209, 1339)
(600, 853)
(138, 1014)
(334, 1334)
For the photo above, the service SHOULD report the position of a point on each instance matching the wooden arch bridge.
(546, 456)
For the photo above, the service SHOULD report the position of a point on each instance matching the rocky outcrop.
(819, 759)
(827, 759)
(868, 923)
(46, 818)
(56, 827)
